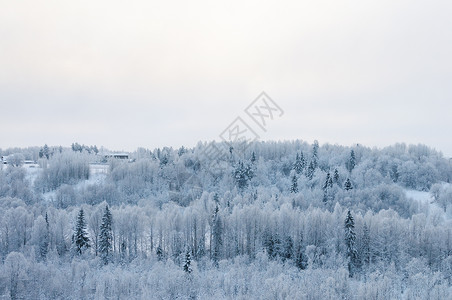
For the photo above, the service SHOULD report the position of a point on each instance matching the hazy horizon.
(152, 74)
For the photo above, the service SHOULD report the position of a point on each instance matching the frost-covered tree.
(294, 186)
(15, 273)
(300, 258)
(365, 249)
(46, 151)
(41, 236)
(336, 177)
(217, 236)
(348, 185)
(187, 262)
(16, 159)
(287, 251)
(327, 185)
(242, 175)
(159, 253)
(80, 239)
(299, 164)
(351, 161)
(315, 153)
(106, 237)
(350, 238)
(310, 170)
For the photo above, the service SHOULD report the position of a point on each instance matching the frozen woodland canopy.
(272, 220)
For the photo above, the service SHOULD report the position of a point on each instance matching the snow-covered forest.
(272, 220)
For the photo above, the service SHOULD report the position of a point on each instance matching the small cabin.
(117, 155)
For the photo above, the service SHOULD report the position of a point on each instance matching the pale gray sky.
(147, 73)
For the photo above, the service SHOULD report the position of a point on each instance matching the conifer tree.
(299, 164)
(242, 175)
(46, 151)
(44, 245)
(294, 186)
(350, 238)
(348, 185)
(106, 237)
(366, 245)
(315, 153)
(187, 262)
(336, 176)
(201, 251)
(300, 259)
(253, 158)
(217, 237)
(328, 182)
(352, 161)
(159, 253)
(81, 239)
(310, 170)
(287, 252)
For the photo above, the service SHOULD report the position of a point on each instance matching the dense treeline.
(279, 220)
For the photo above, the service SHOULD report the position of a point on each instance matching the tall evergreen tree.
(159, 253)
(201, 251)
(294, 186)
(242, 175)
(44, 246)
(328, 182)
(350, 238)
(365, 251)
(46, 151)
(352, 161)
(336, 176)
(187, 262)
(326, 187)
(217, 237)
(287, 252)
(81, 239)
(315, 154)
(300, 258)
(106, 237)
(310, 170)
(299, 164)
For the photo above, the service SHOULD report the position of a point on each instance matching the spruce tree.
(242, 175)
(287, 248)
(326, 187)
(352, 161)
(106, 237)
(310, 170)
(336, 176)
(217, 237)
(366, 245)
(328, 182)
(46, 151)
(294, 186)
(299, 164)
(300, 259)
(201, 251)
(348, 185)
(253, 158)
(44, 245)
(81, 239)
(315, 154)
(187, 262)
(159, 253)
(350, 238)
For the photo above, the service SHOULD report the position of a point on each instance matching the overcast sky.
(125, 74)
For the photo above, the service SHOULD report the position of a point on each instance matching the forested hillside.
(268, 220)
